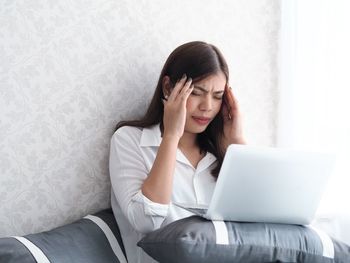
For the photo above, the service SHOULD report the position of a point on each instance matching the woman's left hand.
(233, 127)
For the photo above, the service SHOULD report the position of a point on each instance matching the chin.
(196, 129)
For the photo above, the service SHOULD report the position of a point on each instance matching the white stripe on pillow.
(327, 243)
(110, 236)
(37, 253)
(221, 232)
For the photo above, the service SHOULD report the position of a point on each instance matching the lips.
(201, 120)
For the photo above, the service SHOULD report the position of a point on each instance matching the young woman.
(174, 153)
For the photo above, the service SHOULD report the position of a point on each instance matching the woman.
(174, 153)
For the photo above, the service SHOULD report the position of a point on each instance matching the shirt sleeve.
(128, 172)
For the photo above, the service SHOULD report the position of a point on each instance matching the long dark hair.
(197, 60)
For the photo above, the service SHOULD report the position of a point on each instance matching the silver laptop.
(265, 184)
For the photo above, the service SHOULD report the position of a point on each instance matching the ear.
(166, 86)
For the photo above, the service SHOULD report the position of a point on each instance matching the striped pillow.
(195, 239)
(95, 238)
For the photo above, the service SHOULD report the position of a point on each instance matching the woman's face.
(204, 103)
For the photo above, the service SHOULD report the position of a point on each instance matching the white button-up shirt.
(132, 154)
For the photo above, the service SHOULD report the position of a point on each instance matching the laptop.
(266, 184)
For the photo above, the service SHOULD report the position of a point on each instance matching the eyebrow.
(206, 91)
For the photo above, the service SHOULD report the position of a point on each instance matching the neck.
(188, 140)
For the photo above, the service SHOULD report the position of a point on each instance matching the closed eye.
(196, 93)
(218, 96)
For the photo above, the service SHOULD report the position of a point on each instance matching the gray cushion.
(82, 241)
(194, 239)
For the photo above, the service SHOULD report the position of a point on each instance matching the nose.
(206, 103)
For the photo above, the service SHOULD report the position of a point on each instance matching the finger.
(178, 86)
(188, 92)
(185, 88)
(231, 100)
(226, 111)
(236, 106)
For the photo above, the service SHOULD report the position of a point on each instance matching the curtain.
(314, 81)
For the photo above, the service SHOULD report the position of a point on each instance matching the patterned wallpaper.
(69, 70)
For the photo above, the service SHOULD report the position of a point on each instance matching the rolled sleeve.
(151, 208)
(128, 172)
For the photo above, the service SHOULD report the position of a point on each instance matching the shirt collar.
(151, 136)
(207, 161)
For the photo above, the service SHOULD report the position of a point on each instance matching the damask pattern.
(69, 70)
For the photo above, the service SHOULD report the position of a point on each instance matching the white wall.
(69, 70)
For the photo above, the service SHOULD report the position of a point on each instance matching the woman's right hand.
(174, 118)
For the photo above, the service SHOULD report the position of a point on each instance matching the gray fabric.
(108, 217)
(193, 239)
(81, 241)
(13, 251)
(342, 252)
